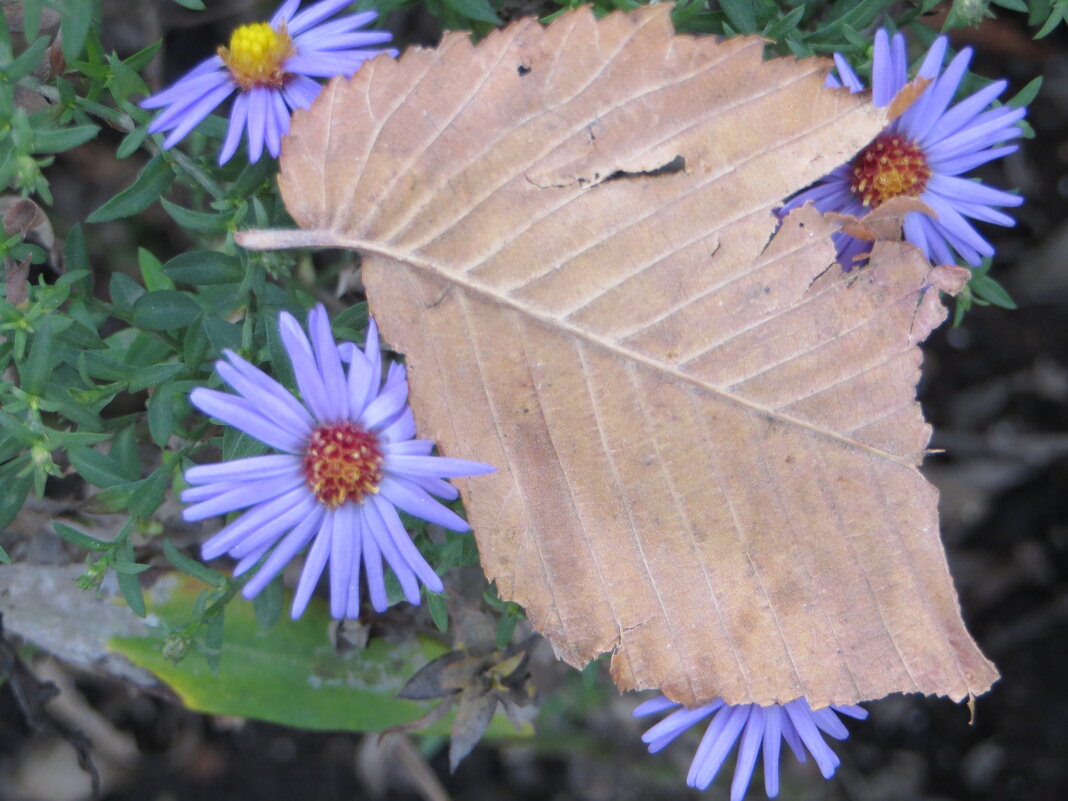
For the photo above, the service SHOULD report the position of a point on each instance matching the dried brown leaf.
(707, 441)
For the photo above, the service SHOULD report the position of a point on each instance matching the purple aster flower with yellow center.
(348, 462)
(923, 154)
(762, 730)
(272, 66)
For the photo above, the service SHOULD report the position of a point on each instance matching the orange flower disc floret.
(342, 462)
(257, 55)
(889, 167)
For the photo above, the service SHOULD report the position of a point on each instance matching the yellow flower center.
(257, 54)
(342, 462)
(889, 167)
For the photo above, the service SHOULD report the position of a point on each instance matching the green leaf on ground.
(290, 674)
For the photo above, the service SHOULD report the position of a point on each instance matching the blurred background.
(995, 389)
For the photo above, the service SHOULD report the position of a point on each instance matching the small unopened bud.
(175, 647)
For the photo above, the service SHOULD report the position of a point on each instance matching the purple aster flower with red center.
(348, 462)
(271, 65)
(922, 154)
(761, 728)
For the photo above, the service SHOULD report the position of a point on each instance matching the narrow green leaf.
(131, 142)
(268, 604)
(62, 139)
(17, 428)
(80, 538)
(161, 415)
(142, 58)
(152, 271)
(31, 18)
(146, 499)
(214, 634)
(192, 567)
(14, 495)
(479, 10)
(124, 291)
(4, 558)
(74, 25)
(1027, 94)
(124, 450)
(152, 181)
(222, 334)
(75, 253)
(203, 267)
(153, 376)
(34, 373)
(199, 221)
(741, 13)
(1051, 23)
(990, 290)
(165, 310)
(506, 628)
(26, 62)
(129, 584)
(439, 612)
(99, 469)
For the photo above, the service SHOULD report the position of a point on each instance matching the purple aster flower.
(760, 727)
(347, 464)
(271, 66)
(922, 154)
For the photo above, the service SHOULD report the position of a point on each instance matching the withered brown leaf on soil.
(706, 435)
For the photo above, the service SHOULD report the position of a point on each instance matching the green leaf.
(99, 469)
(268, 604)
(132, 141)
(165, 310)
(79, 538)
(31, 18)
(75, 253)
(202, 267)
(741, 13)
(1051, 23)
(161, 415)
(34, 373)
(506, 628)
(199, 221)
(58, 141)
(222, 334)
(192, 567)
(129, 584)
(74, 25)
(124, 291)
(18, 429)
(124, 450)
(142, 58)
(145, 377)
(1027, 94)
(192, 5)
(152, 181)
(4, 558)
(478, 10)
(291, 675)
(152, 271)
(26, 62)
(439, 612)
(988, 289)
(14, 495)
(146, 499)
